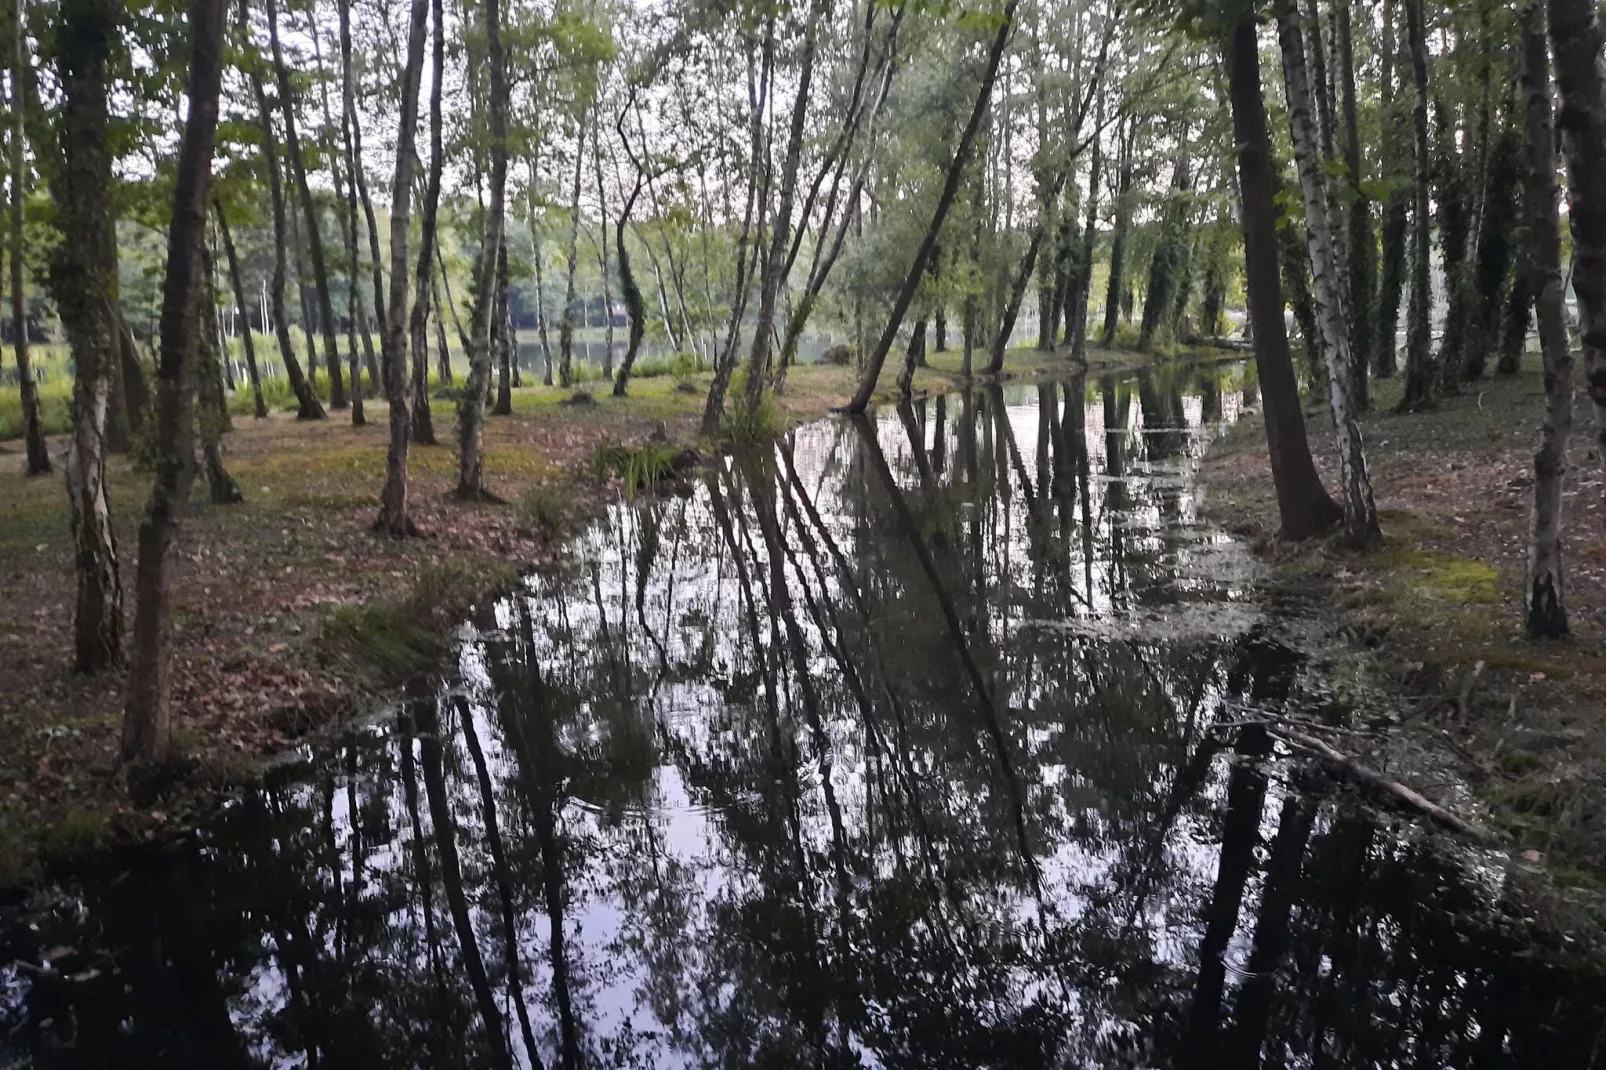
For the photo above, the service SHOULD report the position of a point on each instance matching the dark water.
(889, 747)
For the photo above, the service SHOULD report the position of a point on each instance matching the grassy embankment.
(1434, 618)
(290, 618)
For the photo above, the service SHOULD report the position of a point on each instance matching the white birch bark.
(1360, 510)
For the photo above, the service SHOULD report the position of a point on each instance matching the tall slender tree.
(1419, 370)
(83, 281)
(1575, 38)
(309, 211)
(1303, 506)
(1546, 607)
(423, 277)
(1360, 511)
(945, 200)
(308, 405)
(147, 716)
(237, 286)
(471, 406)
(394, 518)
(32, 428)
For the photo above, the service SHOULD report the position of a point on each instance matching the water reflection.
(887, 747)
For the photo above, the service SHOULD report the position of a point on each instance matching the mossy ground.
(1444, 592)
(290, 617)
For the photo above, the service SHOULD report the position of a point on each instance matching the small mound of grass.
(637, 466)
(389, 642)
(752, 426)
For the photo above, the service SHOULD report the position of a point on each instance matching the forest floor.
(1433, 619)
(290, 620)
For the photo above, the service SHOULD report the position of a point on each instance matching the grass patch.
(638, 467)
(387, 642)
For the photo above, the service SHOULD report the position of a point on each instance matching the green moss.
(1441, 577)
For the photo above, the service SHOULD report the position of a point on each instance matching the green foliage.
(752, 425)
(676, 364)
(638, 467)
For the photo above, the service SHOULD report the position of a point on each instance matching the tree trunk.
(1362, 283)
(357, 193)
(566, 329)
(147, 716)
(212, 407)
(1302, 503)
(1493, 260)
(309, 212)
(635, 307)
(1360, 510)
(1076, 325)
(1419, 370)
(602, 246)
(1455, 230)
(1123, 223)
(775, 265)
(309, 407)
(83, 281)
(423, 426)
(911, 282)
(238, 286)
(725, 359)
(1160, 293)
(1396, 207)
(33, 432)
(471, 406)
(502, 331)
(1575, 37)
(394, 519)
(540, 284)
(1546, 608)
(346, 213)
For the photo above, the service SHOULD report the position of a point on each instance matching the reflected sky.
(889, 746)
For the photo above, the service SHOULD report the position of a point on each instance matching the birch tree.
(1360, 511)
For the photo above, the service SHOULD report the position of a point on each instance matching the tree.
(308, 405)
(1302, 503)
(1575, 38)
(394, 519)
(1362, 282)
(423, 428)
(83, 282)
(471, 406)
(1546, 608)
(237, 284)
(33, 431)
(956, 168)
(1360, 511)
(1419, 370)
(309, 210)
(147, 716)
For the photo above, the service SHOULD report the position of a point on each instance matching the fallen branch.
(1382, 784)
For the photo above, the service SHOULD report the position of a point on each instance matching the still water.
(889, 746)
